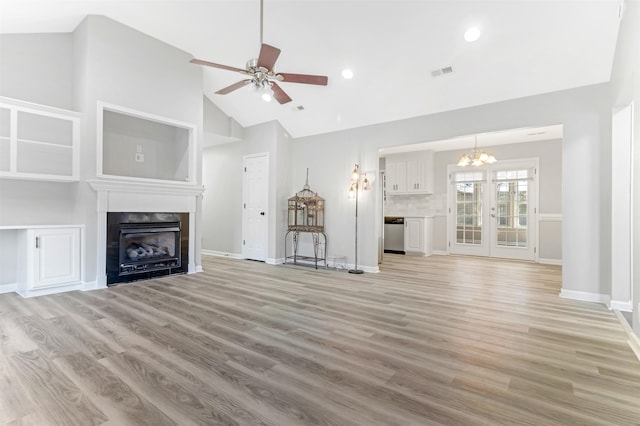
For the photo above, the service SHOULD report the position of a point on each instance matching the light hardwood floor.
(438, 340)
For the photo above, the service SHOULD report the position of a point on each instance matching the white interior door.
(493, 210)
(255, 203)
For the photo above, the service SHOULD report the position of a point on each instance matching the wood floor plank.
(57, 397)
(107, 390)
(442, 340)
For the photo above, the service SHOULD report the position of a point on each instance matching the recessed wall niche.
(138, 145)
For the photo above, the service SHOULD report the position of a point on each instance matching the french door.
(492, 210)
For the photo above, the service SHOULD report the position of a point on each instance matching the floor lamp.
(357, 180)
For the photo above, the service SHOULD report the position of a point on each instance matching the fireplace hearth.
(146, 245)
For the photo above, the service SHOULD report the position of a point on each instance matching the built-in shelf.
(135, 145)
(38, 142)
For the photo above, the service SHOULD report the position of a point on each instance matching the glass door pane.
(469, 213)
(511, 218)
(511, 197)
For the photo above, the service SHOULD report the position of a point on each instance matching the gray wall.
(625, 88)
(37, 68)
(585, 114)
(549, 154)
(223, 180)
(118, 65)
(109, 62)
(222, 200)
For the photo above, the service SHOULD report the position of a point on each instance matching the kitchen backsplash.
(416, 205)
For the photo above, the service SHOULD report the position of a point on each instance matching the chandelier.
(477, 157)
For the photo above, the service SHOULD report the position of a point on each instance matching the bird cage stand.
(306, 215)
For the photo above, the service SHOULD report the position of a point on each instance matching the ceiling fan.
(262, 75)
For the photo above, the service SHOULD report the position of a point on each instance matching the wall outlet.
(140, 157)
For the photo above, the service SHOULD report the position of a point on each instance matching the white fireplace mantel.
(116, 195)
(147, 187)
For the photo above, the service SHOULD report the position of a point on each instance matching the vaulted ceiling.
(526, 47)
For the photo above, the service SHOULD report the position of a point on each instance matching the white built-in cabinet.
(48, 259)
(418, 235)
(38, 142)
(409, 173)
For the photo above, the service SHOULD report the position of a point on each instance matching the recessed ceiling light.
(472, 34)
(347, 73)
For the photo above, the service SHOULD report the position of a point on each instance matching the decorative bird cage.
(306, 210)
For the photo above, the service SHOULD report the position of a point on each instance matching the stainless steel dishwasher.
(394, 234)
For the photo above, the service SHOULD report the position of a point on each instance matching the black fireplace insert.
(146, 245)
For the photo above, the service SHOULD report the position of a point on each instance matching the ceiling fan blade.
(268, 56)
(234, 86)
(211, 64)
(304, 78)
(279, 94)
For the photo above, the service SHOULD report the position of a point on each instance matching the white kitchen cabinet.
(410, 173)
(395, 175)
(418, 235)
(49, 260)
(38, 142)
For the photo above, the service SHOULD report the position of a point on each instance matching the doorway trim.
(488, 248)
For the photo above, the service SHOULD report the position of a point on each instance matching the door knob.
(261, 213)
(493, 215)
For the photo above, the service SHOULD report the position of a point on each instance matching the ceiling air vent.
(442, 71)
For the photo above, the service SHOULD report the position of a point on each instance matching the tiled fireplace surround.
(133, 196)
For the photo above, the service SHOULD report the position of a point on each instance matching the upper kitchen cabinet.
(38, 142)
(135, 145)
(409, 173)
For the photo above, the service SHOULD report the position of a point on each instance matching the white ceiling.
(527, 47)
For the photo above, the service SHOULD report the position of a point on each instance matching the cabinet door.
(414, 235)
(396, 176)
(56, 257)
(415, 175)
(419, 173)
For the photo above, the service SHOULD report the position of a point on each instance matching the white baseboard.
(585, 296)
(198, 269)
(369, 269)
(52, 290)
(8, 288)
(621, 306)
(550, 261)
(221, 254)
(634, 340)
(440, 252)
(92, 285)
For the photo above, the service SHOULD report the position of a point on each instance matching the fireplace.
(146, 245)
